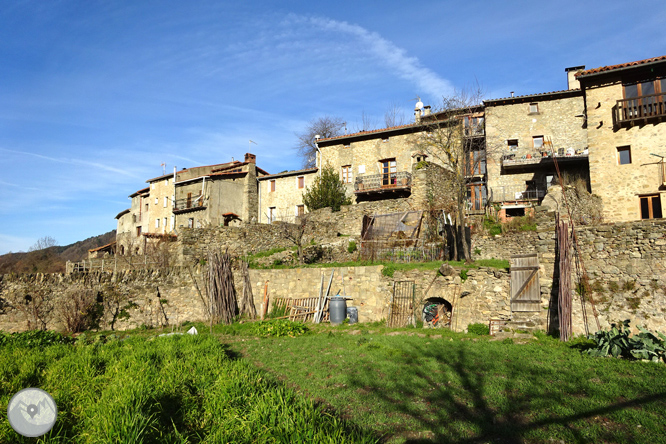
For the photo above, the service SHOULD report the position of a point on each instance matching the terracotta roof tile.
(621, 65)
(361, 133)
(560, 92)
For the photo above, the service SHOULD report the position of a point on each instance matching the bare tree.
(295, 233)
(325, 127)
(367, 123)
(394, 116)
(449, 138)
(43, 243)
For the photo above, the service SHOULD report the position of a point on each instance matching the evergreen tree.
(326, 191)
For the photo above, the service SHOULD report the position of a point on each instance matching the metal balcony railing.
(373, 182)
(517, 193)
(544, 158)
(640, 108)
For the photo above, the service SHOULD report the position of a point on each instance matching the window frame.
(650, 200)
(346, 172)
(300, 182)
(623, 149)
(272, 185)
(534, 108)
(534, 139)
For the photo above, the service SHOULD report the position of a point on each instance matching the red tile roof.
(621, 65)
(537, 95)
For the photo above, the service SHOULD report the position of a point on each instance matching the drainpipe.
(259, 198)
(318, 159)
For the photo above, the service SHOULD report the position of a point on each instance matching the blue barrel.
(352, 314)
(337, 308)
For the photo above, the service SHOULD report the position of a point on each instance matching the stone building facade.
(525, 136)
(626, 108)
(281, 195)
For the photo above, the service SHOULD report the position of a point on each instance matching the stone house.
(625, 111)
(281, 195)
(378, 164)
(528, 138)
(220, 194)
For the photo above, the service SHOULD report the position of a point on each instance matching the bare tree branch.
(325, 127)
(394, 116)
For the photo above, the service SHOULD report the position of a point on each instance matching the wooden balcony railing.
(188, 204)
(629, 111)
(374, 182)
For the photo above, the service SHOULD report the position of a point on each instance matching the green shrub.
(388, 270)
(279, 328)
(33, 338)
(618, 342)
(463, 274)
(629, 285)
(612, 286)
(351, 247)
(478, 329)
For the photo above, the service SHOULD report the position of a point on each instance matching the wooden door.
(525, 289)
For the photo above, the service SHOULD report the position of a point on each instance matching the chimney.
(251, 158)
(417, 115)
(572, 82)
(426, 110)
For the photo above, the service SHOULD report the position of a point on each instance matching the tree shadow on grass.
(458, 397)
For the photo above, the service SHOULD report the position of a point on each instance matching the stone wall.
(349, 220)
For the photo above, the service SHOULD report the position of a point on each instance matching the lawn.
(361, 383)
(458, 388)
(177, 389)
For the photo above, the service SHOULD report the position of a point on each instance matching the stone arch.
(436, 313)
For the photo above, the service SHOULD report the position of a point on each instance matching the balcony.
(517, 193)
(530, 163)
(639, 110)
(188, 205)
(383, 183)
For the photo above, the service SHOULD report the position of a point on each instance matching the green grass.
(178, 389)
(462, 388)
(391, 267)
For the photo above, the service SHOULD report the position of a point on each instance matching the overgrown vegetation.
(514, 225)
(618, 342)
(177, 389)
(478, 329)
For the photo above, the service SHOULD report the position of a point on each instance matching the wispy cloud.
(405, 66)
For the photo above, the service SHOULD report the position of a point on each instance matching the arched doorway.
(436, 313)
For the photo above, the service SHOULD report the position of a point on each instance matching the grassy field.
(178, 389)
(360, 383)
(462, 389)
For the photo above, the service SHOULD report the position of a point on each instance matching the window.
(166, 202)
(347, 145)
(651, 207)
(190, 222)
(641, 99)
(157, 223)
(173, 221)
(385, 139)
(389, 170)
(623, 155)
(272, 185)
(138, 231)
(164, 225)
(146, 207)
(538, 142)
(512, 144)
(189, 200)
(534, 108)
(152, 186)
(301, 182)
(156, 200)
(361, 169)
(300, 210)
(347, 174)
(271, 215)
(166, 181)
(514, 212)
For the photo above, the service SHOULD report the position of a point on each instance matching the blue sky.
(96, 95)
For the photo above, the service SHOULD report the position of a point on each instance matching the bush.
(351, 247)
(617, 342)
(33, 338)
(279, 328)
(478, 329)
(326, 191)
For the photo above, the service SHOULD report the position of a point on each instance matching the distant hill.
(52, 259)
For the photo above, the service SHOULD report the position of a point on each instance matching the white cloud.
(405, 66)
